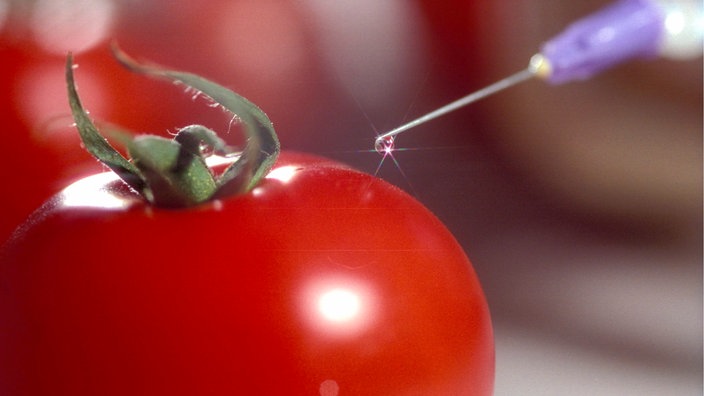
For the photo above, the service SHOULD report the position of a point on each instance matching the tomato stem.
(173, 172)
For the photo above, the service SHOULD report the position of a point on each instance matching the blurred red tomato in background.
(42, 152)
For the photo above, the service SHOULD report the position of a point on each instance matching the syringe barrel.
(625, 30)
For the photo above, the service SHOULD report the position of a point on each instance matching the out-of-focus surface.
(579, 205)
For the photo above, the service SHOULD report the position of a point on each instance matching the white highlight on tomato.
(329, 388)
(339, 305)
(284, 174)
(92, 192)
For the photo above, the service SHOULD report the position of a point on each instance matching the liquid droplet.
(384, 145)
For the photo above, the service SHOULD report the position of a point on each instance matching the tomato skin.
(329, 281)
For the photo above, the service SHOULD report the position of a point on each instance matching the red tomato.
(320, 281)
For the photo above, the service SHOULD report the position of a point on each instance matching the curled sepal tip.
(173, 172)
(94, 142)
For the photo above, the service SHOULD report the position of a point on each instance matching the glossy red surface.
(322, 280)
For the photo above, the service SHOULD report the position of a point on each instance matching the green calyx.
(173, 172)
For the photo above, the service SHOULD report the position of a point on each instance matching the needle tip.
(540, 66)
(384, 144)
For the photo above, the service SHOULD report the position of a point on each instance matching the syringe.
(625, 30)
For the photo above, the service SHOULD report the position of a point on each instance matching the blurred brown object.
(624, 147)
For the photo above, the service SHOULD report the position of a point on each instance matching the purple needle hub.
(625, 30)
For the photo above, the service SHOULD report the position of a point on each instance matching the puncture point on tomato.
(173, 172)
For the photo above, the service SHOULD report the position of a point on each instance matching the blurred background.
(580, 206)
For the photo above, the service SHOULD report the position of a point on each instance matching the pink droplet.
(384, 145)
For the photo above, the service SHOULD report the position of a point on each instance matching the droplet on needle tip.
(384, 145)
